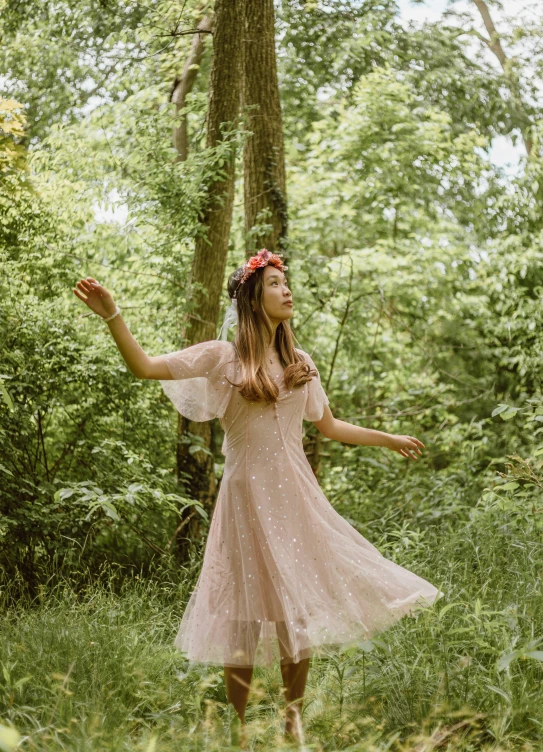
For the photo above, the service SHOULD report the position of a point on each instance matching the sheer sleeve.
(316, 396)
(199, 387)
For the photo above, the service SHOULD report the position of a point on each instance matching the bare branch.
(495, 45)
(494, 42)
(180, 527)
(184, 85)
(186, 32)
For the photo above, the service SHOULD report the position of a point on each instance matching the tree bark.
(209, 263)
(184, 85)
(494, 44)
(264, 159)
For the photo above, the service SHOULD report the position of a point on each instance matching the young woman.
(283, 572)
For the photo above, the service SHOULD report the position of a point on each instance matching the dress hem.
(325, 647)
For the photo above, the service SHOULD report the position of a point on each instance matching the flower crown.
(262, 258)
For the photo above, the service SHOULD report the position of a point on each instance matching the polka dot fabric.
(284, 575)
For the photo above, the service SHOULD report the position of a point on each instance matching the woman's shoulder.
(223, 347)
(220, 348)
(304, 355)
(209, 354)
(223, 352)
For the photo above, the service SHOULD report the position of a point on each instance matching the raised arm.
(340, 430)
(100, 300)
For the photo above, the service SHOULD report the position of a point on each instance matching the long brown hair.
(253, 331)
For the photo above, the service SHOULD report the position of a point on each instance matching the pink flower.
(262, 258)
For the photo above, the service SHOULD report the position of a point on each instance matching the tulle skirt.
(284, 575)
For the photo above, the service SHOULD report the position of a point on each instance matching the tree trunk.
(209, 263)
(494, 44)
(264, 159)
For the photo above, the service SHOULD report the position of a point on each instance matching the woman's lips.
(288, 302)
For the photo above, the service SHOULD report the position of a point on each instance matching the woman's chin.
(282, 315)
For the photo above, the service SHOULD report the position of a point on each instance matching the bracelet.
(117, 311)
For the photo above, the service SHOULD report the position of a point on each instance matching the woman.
(283, 572)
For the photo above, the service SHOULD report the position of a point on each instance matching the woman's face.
(276, 295)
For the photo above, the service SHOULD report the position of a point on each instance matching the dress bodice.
(203, 382)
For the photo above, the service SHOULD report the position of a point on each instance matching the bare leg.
(238, 683)
(237, 679)
(294, 680)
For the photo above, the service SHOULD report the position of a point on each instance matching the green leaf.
(366, 646)
(151, 747)
(201, 511)
(110, 510)
(448, 608)
(510, 413)
(9, 738)
(505, 660)
(499, 409)
(199, 448)
(5, 393)
(499, 691)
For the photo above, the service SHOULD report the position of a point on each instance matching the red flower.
(262, 258)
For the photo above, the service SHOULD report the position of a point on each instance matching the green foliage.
(83, 473)
(12, 133)
(471, 665)
(385, 165)
(416, 269)
(328, 47)
(75, 54)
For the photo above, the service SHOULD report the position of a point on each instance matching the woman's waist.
(261, 441)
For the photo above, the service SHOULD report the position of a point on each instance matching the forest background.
(415, 261)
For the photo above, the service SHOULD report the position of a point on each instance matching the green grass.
(96, 670)
(87, 667)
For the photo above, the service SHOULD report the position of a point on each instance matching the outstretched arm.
(100, 300)
(340, 430)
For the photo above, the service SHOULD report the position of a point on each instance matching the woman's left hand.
(407, 446)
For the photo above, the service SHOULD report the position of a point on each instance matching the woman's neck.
(271, 343)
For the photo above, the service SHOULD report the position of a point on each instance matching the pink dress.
(283, 573)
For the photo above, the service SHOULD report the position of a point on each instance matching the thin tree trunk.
(264, 159)
(209, 263)
(314, 445)
(184, 85)
(494, 44)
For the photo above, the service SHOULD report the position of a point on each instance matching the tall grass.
(94, 669)
(92, 666)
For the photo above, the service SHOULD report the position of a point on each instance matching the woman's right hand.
(95, 296)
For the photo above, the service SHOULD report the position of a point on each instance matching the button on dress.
(283, 573)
